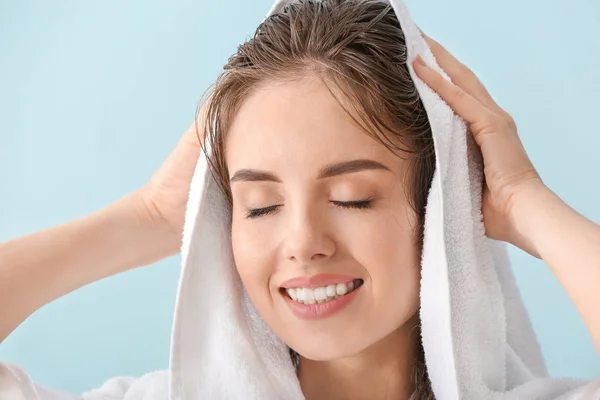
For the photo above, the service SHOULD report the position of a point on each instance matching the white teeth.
(321, 294)
(309, 296)
(292, 293)
(330, 290)
(341, 289)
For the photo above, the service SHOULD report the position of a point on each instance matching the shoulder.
(590, 390)
(153, 385)
(16, 384)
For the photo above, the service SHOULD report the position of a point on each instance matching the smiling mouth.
(321, 294)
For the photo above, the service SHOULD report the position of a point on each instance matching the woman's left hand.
(509, 173)
(517, 207)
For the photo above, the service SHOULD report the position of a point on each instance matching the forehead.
(294, 123)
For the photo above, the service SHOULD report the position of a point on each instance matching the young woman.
(322, 145)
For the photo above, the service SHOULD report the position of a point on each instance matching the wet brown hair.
(357, 48)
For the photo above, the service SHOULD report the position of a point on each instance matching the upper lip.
(316, 281)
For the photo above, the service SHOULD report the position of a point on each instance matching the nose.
(308, 240)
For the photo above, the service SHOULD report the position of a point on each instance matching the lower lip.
(320, 310)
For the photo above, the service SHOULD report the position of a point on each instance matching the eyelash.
(356, 204)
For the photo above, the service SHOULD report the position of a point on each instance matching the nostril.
(318, 256)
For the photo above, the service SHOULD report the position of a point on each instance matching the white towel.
(478, 340)
(477, 337)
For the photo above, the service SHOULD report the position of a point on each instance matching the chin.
(324, 348)
(343, 340)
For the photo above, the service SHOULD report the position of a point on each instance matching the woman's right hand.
(163, 199)
(138, 229)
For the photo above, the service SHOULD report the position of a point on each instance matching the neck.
(381, 371)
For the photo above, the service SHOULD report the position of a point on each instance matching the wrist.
(152, 236)
(530, 208)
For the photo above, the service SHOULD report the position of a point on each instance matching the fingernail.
(420, 61)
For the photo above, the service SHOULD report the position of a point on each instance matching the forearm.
(570, 245)
(43, 266)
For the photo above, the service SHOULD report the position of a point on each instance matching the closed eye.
(259, 212)
(356, 204)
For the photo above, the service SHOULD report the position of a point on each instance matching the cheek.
(254, 257)
(386, 249)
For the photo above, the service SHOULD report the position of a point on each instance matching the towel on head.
(478, 340)
(476, 333)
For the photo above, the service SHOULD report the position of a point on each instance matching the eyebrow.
(345, 167)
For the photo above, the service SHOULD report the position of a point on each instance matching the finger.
(460, 74)
(190, 138)
(463, 103)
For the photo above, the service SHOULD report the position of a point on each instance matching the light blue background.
(94, 95)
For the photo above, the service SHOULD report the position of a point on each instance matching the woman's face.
(322, 233)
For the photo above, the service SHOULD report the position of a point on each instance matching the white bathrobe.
(478, 340)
